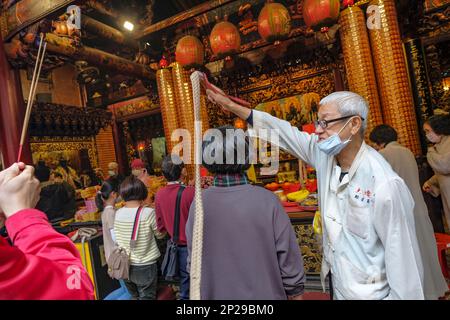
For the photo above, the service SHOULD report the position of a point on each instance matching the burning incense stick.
(31, 94)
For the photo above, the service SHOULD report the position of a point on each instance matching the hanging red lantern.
(189, 52)
(274, 22)
(347, 3)
(225, 39)
(321, 14)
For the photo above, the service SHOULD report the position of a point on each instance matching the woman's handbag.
(170, 266)
(119, 260)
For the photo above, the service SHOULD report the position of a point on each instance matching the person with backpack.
(168, 199)
(135, 231)
(105, 201)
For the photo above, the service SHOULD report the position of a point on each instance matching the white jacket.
(369, 241)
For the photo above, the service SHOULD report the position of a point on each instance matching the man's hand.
(426, 187)
(227, 104)
(18, 190)
(220, 99)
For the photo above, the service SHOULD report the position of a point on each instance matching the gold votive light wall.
(168, 105)
(358, 62)
(392, 75)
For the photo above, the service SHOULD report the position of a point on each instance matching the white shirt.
(369, 241)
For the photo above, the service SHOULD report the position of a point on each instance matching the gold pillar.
(358, 62)
(168, 105)
(185, 108)
(392, 75)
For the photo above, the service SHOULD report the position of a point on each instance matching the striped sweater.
(146, 251)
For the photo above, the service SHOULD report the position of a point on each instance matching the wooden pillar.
(12, 113)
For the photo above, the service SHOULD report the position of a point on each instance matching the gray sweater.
(249, 248)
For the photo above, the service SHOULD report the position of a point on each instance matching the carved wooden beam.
(26, 12)
(101, 8)
(202, 8)
(65, 47)
(107, 32)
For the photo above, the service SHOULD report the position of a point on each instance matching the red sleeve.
(159, 219)
(42, 264)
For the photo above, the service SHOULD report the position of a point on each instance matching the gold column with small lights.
(185, 108)
(167, 101)
(392, 74)
(358, 62)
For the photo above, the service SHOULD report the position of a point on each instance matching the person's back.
(404, 164)
(249, 247)
(250, 250)
(70, 207)
(143, 273)
(53, 198)
(165, 201)
(146, 251)
(165, 204)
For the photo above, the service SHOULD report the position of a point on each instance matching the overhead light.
(128, 25)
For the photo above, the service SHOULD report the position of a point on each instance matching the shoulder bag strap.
(176, 224)
(135, 228)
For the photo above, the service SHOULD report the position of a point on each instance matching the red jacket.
(42, 264)
(165, 202)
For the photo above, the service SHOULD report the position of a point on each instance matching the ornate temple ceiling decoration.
(53, 120)
(308, 72)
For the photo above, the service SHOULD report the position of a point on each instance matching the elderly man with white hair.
(369, 242)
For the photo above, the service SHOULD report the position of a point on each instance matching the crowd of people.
(377, 239)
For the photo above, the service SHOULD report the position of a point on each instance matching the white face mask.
(136, 172)
(433, 137)
(333, 145)
(111, 173)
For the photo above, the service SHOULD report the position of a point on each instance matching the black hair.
(383, 134)
(440, 124)
(56, 174)
(230, 147)
(171, 170)
(42, 172)
(133, 189)
(109, 186)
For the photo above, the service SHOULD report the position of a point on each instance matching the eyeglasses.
(324, 123)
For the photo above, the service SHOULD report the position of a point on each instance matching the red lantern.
(225, 39)
(319, 14)
(348, 3)
(189, 52)
(274, 22)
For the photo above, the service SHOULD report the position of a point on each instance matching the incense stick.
(31, 94)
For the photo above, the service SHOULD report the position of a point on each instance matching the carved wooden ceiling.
(122, 57)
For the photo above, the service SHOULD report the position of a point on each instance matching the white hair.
(348, 104)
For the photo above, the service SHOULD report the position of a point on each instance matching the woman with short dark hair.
(437, 130)
(142, 280)
(250, 249)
